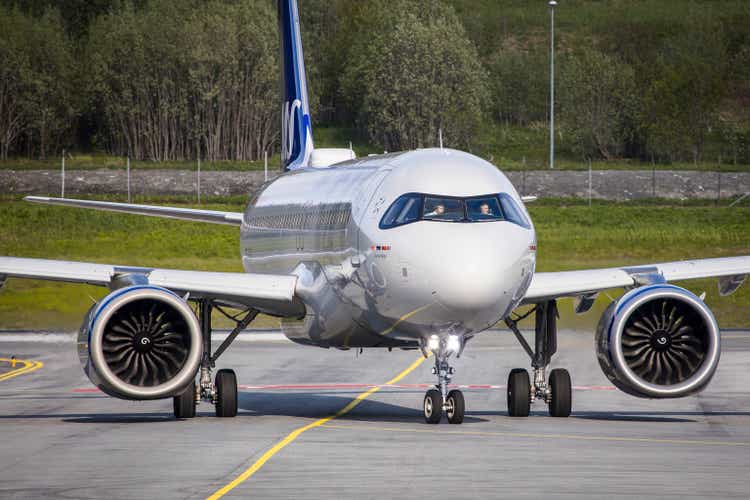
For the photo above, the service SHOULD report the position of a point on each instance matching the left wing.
(270, 293)
(191, 214)
(731, 272)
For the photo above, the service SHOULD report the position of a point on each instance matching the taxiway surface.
(61, 438)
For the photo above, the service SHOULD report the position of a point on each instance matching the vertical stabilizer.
(296, 129)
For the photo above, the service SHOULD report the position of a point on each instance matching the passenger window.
(404, 210)
(480, 209)
(446, 209)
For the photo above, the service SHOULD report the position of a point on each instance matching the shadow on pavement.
(316, 405)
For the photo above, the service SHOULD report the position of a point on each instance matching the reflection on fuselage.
(363, 286)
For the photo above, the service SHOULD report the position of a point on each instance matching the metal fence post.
(62, 176)
(265, 165)
(128, 168)
(589, 182)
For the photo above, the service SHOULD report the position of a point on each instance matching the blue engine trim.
(296, 125)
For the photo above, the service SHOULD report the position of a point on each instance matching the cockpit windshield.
(414, 206)
(448, 209)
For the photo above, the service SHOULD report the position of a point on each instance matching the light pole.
(552, 85)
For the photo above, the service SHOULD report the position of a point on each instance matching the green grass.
(571, 236)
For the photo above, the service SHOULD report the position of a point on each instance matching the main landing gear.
(557, 391)
(440, 400)
(222, 391)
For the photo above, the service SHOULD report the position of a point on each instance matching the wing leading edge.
(190, 214)
(273, 294)
(731, 272)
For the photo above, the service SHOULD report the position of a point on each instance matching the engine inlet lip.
(708, 367)
(130, 391)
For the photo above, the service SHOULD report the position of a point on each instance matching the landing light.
(454, 343)
(433, 343)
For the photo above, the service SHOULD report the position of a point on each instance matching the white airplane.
(414, 250)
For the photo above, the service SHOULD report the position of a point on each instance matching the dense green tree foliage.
(597, 105)
(176, 77)
(160, 79)
(414, 73)
(38, 101)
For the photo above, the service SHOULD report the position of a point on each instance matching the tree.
(520, 85)
(174, 77)
(416, 72)
(681, 102)
(37, 90)
(597, 100)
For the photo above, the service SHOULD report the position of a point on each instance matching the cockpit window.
(448, 209)
(488, 208)
(414, 206)
(512, 212)
(404, 210)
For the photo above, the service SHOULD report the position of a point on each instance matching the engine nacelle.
(658, 341)
(141, 342)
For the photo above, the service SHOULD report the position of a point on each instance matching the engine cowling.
(659, 341)
(140, 342)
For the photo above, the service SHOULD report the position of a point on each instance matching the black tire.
(559, 383)
(456, 407)
(519, 393)
(184, 404)
(226, 389)
(433, 406)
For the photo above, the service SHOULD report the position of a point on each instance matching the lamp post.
(552, 85)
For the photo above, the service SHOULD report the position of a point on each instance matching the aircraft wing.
(273, 294)
(191, 214)
(731, 272)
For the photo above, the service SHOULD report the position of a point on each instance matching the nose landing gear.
(440, 400)
(555, 392)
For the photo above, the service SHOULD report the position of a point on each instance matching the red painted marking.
(311, 387)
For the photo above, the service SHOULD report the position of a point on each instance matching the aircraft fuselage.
(368, 286)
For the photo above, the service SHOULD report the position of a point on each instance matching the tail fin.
(296, 128)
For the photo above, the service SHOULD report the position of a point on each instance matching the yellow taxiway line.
(297, 432)
(28, 367)
(577, 437)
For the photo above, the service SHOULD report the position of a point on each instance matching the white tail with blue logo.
(296, 127)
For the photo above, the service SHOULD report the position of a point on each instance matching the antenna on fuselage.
(440, 137)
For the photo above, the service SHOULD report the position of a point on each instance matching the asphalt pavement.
(62, 438)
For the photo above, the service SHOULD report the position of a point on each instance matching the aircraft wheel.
(184, 404)
(519, 393)
(455, 407)
(433, 406)
(559, 383)
(226, 389)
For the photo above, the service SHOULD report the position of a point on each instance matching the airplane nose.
(479, 270)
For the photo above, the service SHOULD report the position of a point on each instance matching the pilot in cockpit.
(438, 211)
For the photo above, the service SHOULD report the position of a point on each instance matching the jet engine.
(141, 342)
(658, 341)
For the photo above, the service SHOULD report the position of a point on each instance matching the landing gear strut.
(221, 392)
(556, 392)
(440, 400)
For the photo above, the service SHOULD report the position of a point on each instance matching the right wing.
(191, 214)
(730, 271)
(269, 293)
